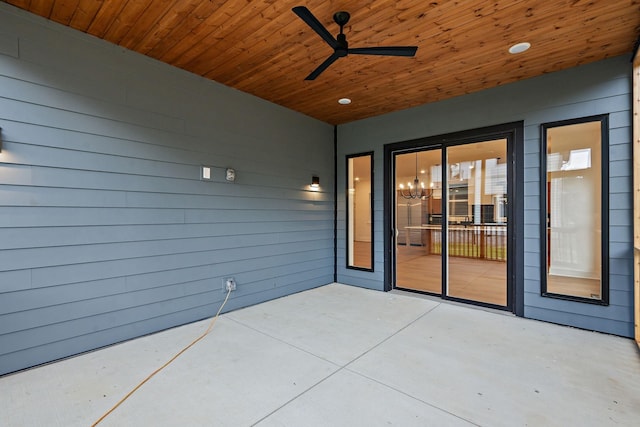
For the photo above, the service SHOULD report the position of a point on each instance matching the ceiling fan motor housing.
(342, 47)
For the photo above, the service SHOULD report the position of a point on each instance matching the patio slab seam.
(345, 366)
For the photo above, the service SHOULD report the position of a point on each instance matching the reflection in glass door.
(477, 222)
(418, 202)
(458, 211)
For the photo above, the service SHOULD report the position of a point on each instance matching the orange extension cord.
(121, 401)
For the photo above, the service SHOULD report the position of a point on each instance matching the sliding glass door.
(451, 205)
(477, 222)
(418, 204)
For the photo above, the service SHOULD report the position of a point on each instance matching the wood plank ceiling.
(263, 48)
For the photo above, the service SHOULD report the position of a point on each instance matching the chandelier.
(417, 190)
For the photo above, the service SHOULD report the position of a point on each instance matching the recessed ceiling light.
(519, 47)
(344, 101)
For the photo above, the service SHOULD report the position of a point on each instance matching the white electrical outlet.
(229, 284)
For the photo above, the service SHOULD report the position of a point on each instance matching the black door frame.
(514, 133)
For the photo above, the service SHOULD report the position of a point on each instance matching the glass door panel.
(476, 239)
(418, 217)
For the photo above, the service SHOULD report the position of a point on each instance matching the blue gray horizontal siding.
(106, 231)
(598, 88)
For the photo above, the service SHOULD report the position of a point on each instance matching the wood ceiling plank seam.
(265, 56)
(534, 37)
(435, 18)
(447, 65)
(229, 58)
(455, 18)
(610, 20)
(266, 16)
(41, 7)
(546, 24)
(178, 33)
(375, 29)
(145, 24)
(573, 34)
(207, 36)
(195, 37)
(248, 43)
(439, 10)
(536, 14)
(21, 4)
(105, 17)
(85, 13)
(131, 11)
(588, 42)
(208, 61)
(174, 16)
(62, 11)
(174, 26)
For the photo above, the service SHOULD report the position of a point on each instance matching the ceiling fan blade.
(306, 15)
(330, 60)
(388, 51)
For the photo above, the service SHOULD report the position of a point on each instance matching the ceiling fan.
(339, 44)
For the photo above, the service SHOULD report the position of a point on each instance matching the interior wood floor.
(574, 286)
(362, 254)
(471, 279)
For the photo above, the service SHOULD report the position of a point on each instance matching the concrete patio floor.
(343, 356)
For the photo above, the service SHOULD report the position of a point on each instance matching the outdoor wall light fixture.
(315, 182)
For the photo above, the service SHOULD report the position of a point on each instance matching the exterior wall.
(106, 230)
(598, 88)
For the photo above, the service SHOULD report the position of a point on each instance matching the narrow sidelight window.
(575, 210)
(360, 211)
